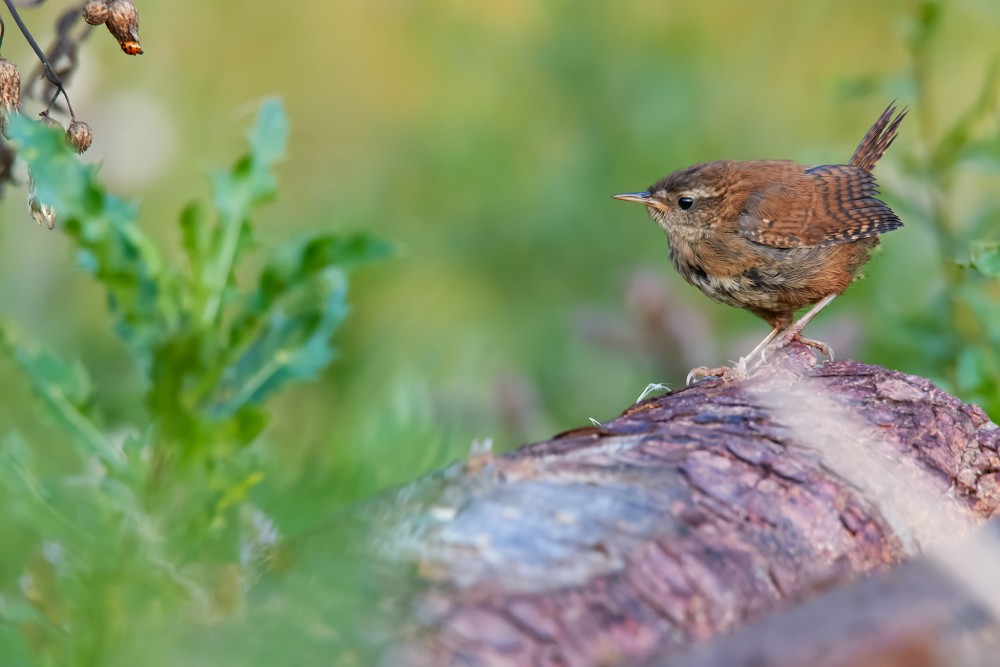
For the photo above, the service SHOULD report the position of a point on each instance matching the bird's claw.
(788, 338)
(738, 371)
(818, 345)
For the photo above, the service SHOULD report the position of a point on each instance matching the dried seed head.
(10, 91)
(95, 12)
(123, 24)
(42, 213)
(79, 135)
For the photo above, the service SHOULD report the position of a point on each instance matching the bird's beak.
(641, 197)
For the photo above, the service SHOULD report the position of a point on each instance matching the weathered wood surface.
(687, 517)
(918, 614)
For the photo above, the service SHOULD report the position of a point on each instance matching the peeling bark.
(687, 517)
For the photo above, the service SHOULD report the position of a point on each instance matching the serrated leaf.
(301, 261)
(269, 137)
(289, 295)
(293, 343)
(109, 245)
(252, 179)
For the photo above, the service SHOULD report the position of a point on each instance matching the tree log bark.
(918, 614)
(687, 517)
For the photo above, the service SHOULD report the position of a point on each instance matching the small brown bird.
(774, 236)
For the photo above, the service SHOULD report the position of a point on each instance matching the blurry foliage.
(955, 337)
(160, 521)
(489, 139)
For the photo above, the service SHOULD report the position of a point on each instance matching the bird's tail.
(878, 139)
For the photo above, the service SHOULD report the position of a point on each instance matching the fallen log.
(934, 611)
(685, 518)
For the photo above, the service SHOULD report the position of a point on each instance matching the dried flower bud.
(95, 12)
(10, 91)
(79, 135)
(48, 121)
(123, 24)
(42, 213)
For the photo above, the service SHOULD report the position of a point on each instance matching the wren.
(774, 236)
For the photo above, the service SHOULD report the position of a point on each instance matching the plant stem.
(46, 67)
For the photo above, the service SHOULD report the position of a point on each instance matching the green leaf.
(65, 391)
(292, 344)
(983, 153)
(955, 144)
(60, 179)
(985, 258)
(976, 371)
(29, 500)
(300, 262)
(109, 245)
(212, 356)
(925, 24)
(269, 138)
(196, 239)
(285, 325)
(250, 181)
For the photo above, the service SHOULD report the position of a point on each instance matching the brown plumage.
(774, 236)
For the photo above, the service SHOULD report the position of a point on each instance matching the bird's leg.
(747, 361)
(794, 332)
(781, 330)
(740, 368)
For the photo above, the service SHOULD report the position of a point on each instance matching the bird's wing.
(823, 206)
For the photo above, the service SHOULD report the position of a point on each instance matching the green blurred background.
(486, 139)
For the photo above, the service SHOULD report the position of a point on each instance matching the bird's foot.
(790, 337)
(737, 371)
(817, 345)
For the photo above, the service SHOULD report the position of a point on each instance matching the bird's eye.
(685, 202)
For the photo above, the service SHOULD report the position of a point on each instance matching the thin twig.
(46, 67)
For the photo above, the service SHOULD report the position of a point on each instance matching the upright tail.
(878, 139)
